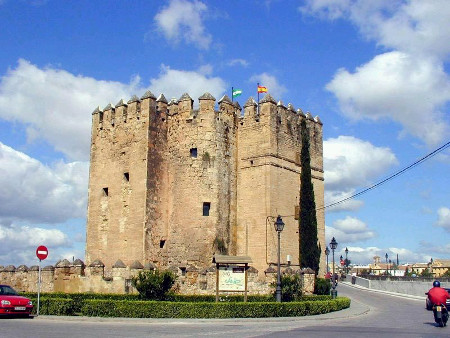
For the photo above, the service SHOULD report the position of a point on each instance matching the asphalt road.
(371, 314)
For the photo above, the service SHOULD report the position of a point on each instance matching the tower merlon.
(97, 117)
(121, 112)
(226, 105)
(147, 105)
(206, 103)
(108, 115)
(185, 105)
(161, 104)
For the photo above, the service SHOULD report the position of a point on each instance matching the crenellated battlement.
(136, 108)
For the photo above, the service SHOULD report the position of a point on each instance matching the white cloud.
(350, 163)
(396, 86)
(173, 83)
(444, 218)
(332, 9)
(338, 196)
(56, 105)
(350, 230)
(365, 255)
(18, 243)
(240, 62)
(409, 84)
(273, 87)
(417, 27)
(37, 193)
(183, 20)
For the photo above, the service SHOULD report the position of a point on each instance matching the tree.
(426, 273)
(291, 288)
(308, 243)
(153, 284)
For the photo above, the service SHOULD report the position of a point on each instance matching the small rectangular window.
(193, 152)
(126, 176)
(206, 208)
(105, 191)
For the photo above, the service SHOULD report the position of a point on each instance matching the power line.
(423, 159)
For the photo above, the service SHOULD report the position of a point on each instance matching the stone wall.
(76, 278)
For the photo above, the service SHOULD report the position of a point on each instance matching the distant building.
(440, 266)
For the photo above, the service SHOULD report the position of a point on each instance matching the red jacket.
(438, 295)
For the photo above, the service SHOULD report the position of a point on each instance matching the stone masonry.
(171, 185)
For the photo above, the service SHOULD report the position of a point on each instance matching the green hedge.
(81, 297)
(182, 306)
(55, 306)
(163, 309)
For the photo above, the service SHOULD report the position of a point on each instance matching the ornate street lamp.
(279, 226)
(346, 260)
(386, 261)
(333, 246)
(327, 252)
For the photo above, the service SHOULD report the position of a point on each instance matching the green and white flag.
(237, 92)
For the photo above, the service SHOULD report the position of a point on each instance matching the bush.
(54, 306)
(154, 284)
(152, 309)
(291, 288)
(322, 287)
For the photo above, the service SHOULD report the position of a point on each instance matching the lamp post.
(390, 267)
(346, 260)
(431, 266)
(333, 246)
(327, 252)
(386, 261)
(279, 226)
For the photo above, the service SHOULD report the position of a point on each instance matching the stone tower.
(171, 186)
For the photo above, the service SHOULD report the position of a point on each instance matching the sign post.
(41, 254)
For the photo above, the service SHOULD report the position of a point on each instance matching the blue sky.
(375, 72)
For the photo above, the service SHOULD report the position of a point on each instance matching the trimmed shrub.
(322, 287)
(162, 309)
(291, 288)
(54, 306)
(153, 284)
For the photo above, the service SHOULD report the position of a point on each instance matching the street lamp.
(390, 267)
(346, 260)
(386, 261)
(279, 226)
(333, 246)
(431, 266)
(327, 252)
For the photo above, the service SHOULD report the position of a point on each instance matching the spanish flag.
(262, 89)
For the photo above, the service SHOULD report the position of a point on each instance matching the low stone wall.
(75, 277)
(408, 287)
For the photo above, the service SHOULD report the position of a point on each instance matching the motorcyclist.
(438, 295)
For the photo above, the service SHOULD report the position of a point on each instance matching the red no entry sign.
(41, 252)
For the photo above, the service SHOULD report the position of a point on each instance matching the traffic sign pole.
(39, 287)
(41, 254)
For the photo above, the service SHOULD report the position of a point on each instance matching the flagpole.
(257, 89)
(232, 94)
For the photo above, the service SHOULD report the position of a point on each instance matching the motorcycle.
(440, 315)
